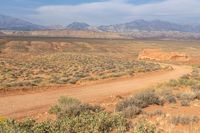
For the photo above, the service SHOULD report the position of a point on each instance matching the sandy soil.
(33, 104)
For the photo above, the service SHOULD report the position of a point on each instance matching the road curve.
(19, 106)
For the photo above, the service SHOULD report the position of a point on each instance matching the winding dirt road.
(19, 106)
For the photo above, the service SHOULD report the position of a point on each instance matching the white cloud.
(119, 11)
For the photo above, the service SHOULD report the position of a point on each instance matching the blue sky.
(101, 12)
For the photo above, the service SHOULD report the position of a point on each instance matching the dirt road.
(18, 106)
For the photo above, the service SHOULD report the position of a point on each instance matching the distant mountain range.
(155, 25)
(10, 23)
(138, 25)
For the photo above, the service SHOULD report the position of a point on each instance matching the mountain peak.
(78, 26)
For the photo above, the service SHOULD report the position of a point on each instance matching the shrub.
(173, 83)
(94, 122)
(72, 107)
(141, 100)
(187, 76)
(171, 99)
(168, 96)
(12, 126)
(156, 113)
(64, 104)
(184, 120)
(197, 95)
(195, 73)
(148, 97)
(185, 103)
(195, 87)
(125, 103)
(186, 96)
(132, 112)
(186, 82)
(143, 126)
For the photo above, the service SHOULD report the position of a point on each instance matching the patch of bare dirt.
(194, 61)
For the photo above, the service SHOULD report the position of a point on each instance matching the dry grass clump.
(155, 113)
(168, 95)
(187, 97)
(141, 100)
(131, 112)
(183, 119)
(132, 106)
(185, 103)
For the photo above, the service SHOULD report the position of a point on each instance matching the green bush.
(143, 126)
(85, 122)
(94, 122)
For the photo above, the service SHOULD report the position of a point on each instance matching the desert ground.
(136, 84)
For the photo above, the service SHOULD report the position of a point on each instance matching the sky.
(101, 12)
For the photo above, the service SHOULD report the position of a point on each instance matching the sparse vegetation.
(66, 68)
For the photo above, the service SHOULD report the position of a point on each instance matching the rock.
(159, 55)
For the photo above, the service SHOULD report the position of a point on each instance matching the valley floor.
(37, 104)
